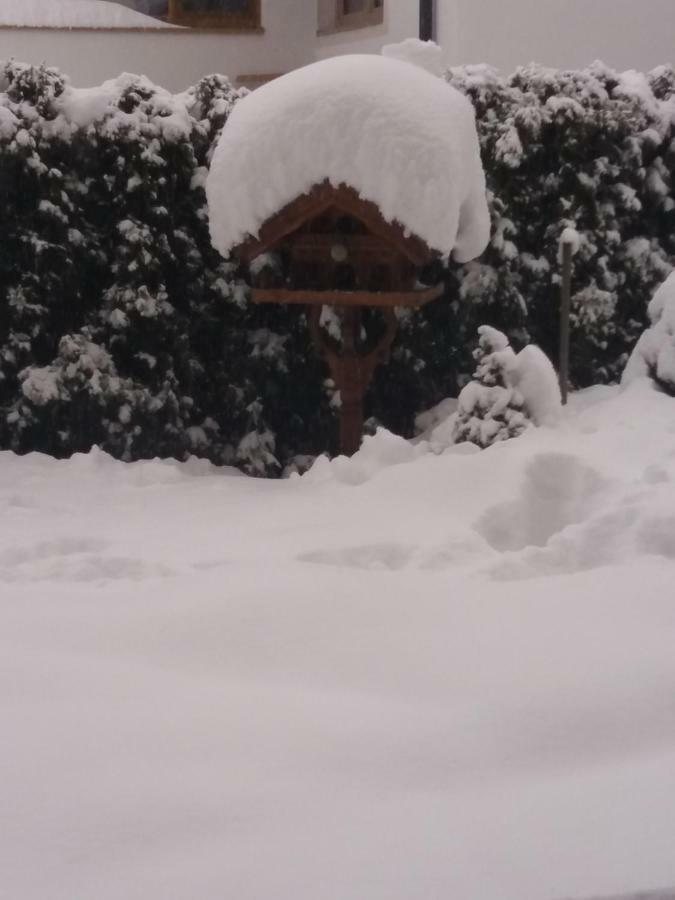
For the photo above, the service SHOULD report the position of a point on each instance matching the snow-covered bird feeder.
(341, 185)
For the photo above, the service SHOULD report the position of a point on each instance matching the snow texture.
(401, 137)
(73, 14)
(537, 381)
(508, 391)
(572, 237)
(402, 675)
(654, 353)
(425, 54)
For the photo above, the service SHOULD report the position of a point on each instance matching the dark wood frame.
(323, 197)
(351, 363)
(249, 21)
(381, 299)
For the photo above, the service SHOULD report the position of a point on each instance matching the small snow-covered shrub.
(654, 353)
(490, 408)
(509, 391)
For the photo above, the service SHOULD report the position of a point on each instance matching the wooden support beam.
(565, 307)
(347, 298)
(351, 368)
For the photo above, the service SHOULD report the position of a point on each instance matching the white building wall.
(624, 34)
(173, 59)
(401, 20)
(504, 33)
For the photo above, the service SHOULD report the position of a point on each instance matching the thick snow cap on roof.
(401, 137)
(73, 14)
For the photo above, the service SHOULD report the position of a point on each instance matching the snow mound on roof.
(404, 139)
(73, 14)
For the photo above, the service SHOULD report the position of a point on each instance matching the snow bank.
(402, 138)
(654, 353)
(452, 678)
(73, 14)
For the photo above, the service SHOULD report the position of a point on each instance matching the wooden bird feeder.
(331, 248)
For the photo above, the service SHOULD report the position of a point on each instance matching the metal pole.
(565, 305)
(427, 29)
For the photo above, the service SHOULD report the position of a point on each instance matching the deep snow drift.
(400, 136)
(419, 673)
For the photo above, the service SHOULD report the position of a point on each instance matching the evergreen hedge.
(121, 326)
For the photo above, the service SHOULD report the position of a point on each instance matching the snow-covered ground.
(414, 674)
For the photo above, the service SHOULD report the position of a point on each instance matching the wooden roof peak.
(325, 196)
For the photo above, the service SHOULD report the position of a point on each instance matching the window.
(359, 13)
(238, 15)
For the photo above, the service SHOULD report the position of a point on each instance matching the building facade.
(175, 42)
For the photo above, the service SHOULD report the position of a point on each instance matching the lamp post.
(427, 24)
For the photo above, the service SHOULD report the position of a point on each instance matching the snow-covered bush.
(104, 236)
(654, 353)
(76, 401)
(590, 149)
(490, 408)
(509, 391)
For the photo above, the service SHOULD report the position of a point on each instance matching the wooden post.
(352, 371)
(427, 30)
(351, 383)
(565, 306)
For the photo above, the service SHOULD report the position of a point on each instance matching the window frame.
(234, 22)
(371, 15)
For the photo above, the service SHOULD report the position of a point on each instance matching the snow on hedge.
(73, 14)
(401, 137)
(654, 353)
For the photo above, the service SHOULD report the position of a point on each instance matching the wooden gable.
(332, 246)
(322, 198)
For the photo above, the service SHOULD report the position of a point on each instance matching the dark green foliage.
(121, 326)
(588, 149)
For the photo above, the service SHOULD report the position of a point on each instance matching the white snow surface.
(428, 55)
(401, 137)
(404, 675)
(73, 14)
(654, 353)
(572, 237)
(536, 379)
